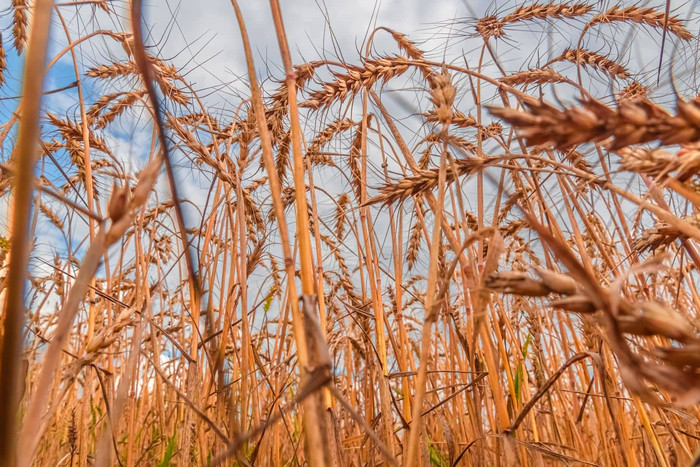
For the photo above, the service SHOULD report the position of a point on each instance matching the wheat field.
(478, 249)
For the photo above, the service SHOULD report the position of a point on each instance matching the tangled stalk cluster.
(485, 278)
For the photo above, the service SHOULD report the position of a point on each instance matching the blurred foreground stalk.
(24, 157)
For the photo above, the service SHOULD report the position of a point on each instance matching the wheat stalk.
(535, 76)
(639, 15)
(20, 24)
(358, 77)
(552, 280)
(3, 62)
(325, 136)
(492, 26)
(633, 91)
(119, 106)
(585, 57)
(633, 122)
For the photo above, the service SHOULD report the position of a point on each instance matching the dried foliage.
(633, 122)
(497, 253)
(587, 58)
(492, 26)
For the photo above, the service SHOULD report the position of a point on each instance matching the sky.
(207, 32)
(203, 40)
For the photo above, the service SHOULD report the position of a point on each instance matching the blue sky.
(202, 39)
